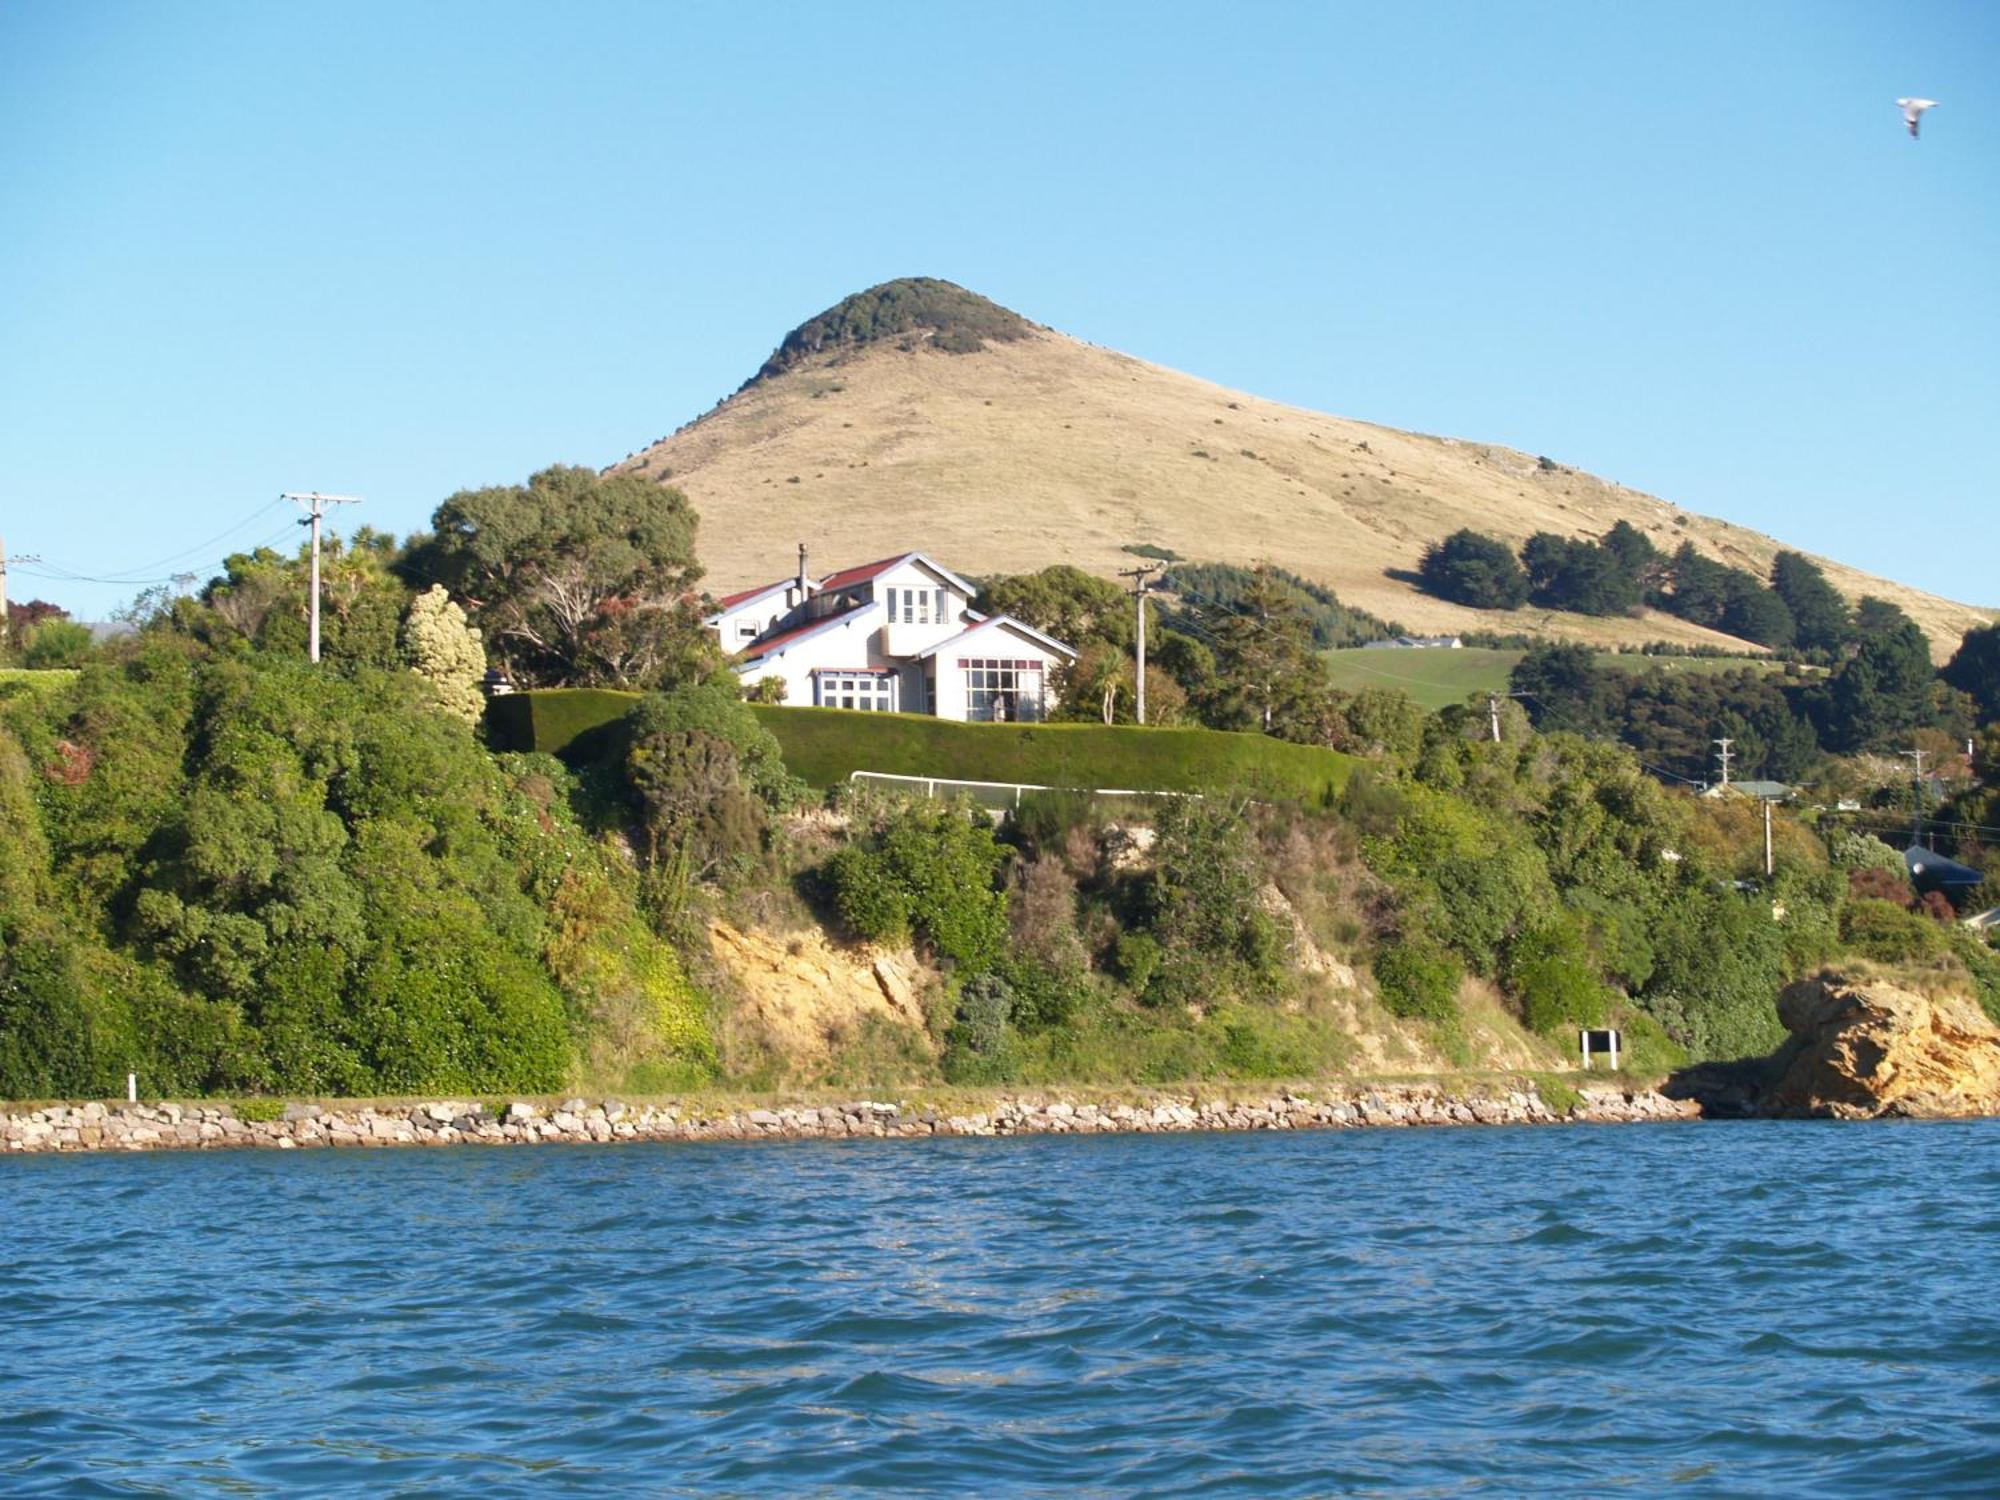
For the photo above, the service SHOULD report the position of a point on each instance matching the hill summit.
(918, 414)
(907, 312)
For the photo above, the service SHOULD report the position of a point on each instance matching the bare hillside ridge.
(1047, 449)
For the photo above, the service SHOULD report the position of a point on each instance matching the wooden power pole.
(1140, 577)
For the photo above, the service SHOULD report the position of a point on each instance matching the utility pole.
(1493, 714)
(1769, 864)
(1917, 798)
(315, 504)
(1139, 577)
(1724, 755)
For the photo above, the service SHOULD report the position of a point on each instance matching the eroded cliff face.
(1864, 1047)
(804, 996)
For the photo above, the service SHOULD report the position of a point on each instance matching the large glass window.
(875, 691)
(1002, 691)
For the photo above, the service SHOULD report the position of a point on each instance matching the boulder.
(1861, 1048)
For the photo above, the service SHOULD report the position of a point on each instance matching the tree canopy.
(575, 579)
(1475, 570)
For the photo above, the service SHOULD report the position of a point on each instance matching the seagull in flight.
(1913, 112)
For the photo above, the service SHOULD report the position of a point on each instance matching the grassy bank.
(825, 746)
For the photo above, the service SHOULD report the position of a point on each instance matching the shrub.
(443, 650)
(871, 901)
(258, 1110)
(57, 643)
(1892, 886)
(1720, 963)
(1889, 934)
(1136, 958)
(930, 870)
(1549, 970)
(978, 1045)
(1418, 980)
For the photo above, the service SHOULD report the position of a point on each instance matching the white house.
(898, 635)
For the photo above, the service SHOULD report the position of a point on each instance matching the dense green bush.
(1201, 905)
(1419, 980)
(1550, 971)
(1721, 963)
(930, 870)
(1888, 934)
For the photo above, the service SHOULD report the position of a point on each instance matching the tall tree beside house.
(1820, 616)
(1269, 676)
(445, 652)
(576, 579)
(1064, 602)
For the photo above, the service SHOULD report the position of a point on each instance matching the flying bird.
(1913, 112)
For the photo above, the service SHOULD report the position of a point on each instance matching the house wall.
(856, 642)
(918, 635)
(953, 696)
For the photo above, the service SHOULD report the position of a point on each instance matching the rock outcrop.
(1863, 1048)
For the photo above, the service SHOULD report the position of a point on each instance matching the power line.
(61, 574)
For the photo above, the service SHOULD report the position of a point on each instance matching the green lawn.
(825, 745)
(1437, 678)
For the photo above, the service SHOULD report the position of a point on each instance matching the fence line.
(930, 784)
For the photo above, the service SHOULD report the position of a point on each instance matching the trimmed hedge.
(823, 745)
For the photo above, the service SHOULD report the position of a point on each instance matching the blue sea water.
(1725, 1309)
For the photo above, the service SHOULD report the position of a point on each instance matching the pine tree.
(1820, 616)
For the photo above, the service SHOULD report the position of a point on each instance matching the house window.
(747, 629)
(874, 691)
(941, 615)
(1002, 691)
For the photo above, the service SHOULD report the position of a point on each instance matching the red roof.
(785, 637)
(730, 601)
(847, 578)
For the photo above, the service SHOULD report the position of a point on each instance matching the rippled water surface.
(1719, 1309)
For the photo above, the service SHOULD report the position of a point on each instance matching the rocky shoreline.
(197, 1127)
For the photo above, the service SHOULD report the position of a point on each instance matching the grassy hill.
(998, 446)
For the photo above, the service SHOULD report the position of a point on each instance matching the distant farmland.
(1436, 678)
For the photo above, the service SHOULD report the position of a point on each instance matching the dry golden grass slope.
(1047, 449)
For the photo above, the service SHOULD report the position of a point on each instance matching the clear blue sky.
(392, 250)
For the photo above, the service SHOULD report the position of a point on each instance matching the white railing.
(994, 793)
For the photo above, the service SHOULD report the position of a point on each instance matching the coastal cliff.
(1865, 1047)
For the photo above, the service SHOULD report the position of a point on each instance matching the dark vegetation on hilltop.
(235, 872)
(909, 311)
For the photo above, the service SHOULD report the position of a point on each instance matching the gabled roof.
(848, 577)
(999, 622)
(773, 645)
(730, 601)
